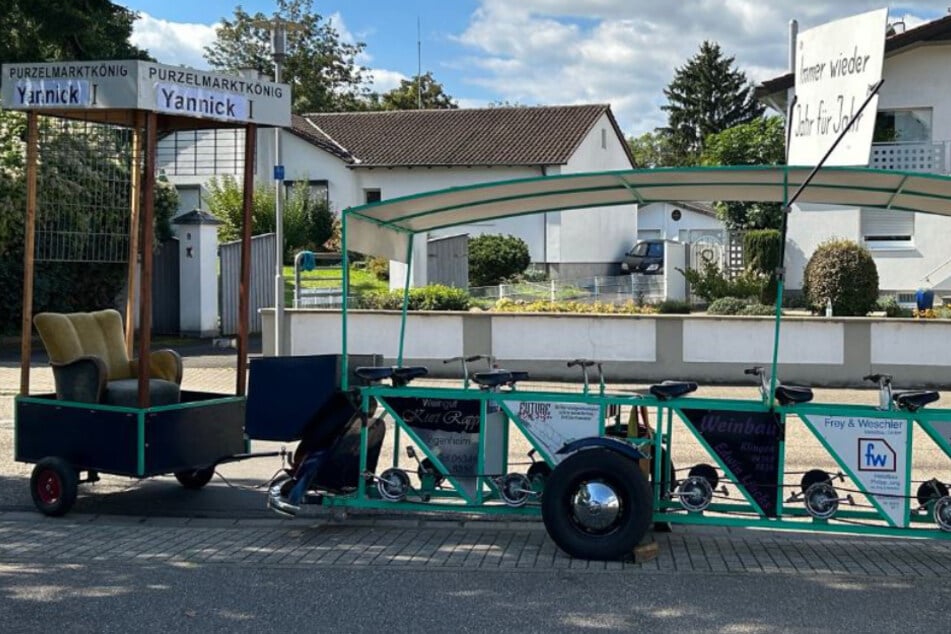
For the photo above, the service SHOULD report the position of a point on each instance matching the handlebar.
(755, 370)
(474, 357)
(585, 363)
(875, 378)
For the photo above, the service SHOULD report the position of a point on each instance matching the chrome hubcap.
(595, 506)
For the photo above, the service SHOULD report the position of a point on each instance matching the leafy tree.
(308, 219)
(757, 142)
(164, 208)
(706, 96)
(56, 30)
(652, 149)
(404, 97)
(320, 67)
(495, 258)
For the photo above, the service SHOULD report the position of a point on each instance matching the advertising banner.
(874, 453)
(450, 430)
(554, 425)
(836, 65)
(747, 445)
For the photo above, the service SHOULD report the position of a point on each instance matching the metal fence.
(607, 288)
(261, 291)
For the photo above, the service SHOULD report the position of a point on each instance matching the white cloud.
(175, 43)
(382, 81)
(625, 53)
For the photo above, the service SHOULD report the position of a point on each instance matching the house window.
(604, 139)
(903, 126)
(318, 189)
(189, 198)
(882, 229)
(372, 195)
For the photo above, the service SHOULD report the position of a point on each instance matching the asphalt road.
(223, 598)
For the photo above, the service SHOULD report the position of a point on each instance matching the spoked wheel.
(195, 478)
(597, 505)
(54, 485)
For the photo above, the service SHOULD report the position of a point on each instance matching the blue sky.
(531, 52)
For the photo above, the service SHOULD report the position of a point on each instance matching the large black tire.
(54, 485)
(577, 472)
(195, 479)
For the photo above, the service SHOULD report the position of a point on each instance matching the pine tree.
(707, 95)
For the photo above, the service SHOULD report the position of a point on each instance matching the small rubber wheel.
(597, 505)
(538, 472)
(931, 491)
(814, 476)
(706, 472)
(427, 467)
(54, 485)
(195, 479)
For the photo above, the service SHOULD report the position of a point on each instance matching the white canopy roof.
(383, 228)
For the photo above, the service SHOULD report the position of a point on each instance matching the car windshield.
(649, 249)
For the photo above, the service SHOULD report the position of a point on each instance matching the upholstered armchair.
(90, 363)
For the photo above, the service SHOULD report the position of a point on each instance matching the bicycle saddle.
(494, 378)
(372, 373)
(914, 400)
(787, 394)
(405, 374)
(672, 389)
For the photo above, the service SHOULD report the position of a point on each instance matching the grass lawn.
(361, 281)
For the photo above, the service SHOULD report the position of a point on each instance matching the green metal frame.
(665, 507)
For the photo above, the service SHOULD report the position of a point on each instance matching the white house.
(679, 221)
(354, 158)
(913, 133)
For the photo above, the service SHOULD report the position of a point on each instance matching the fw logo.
(875, 454)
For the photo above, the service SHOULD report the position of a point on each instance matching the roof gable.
(543, 135)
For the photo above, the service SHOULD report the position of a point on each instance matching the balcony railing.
(910, 157)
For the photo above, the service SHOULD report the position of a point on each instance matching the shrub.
(710, 283)
(727, 306)
(434, 297)
(673, 307)
(507, 305)
(758, 309)
(739, 306)
(845, 273)
(379, 268)
(496, 258)
(762, 247)
(893, 309)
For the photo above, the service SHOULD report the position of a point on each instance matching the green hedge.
(433, 297)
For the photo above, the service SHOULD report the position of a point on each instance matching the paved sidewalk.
(428, 545)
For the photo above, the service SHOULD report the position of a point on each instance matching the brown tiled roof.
(936, 31)
(543, 135)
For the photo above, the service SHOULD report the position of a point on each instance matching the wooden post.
(145, 278)
(244, 287)
(136, 197)
(29, 245)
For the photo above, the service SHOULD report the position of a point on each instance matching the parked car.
(646, 257)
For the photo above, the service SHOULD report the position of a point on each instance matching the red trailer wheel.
(54, 485)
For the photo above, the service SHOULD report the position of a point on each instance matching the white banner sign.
(554, 425)
(836, 65)
(874, 452)
(138, 85)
